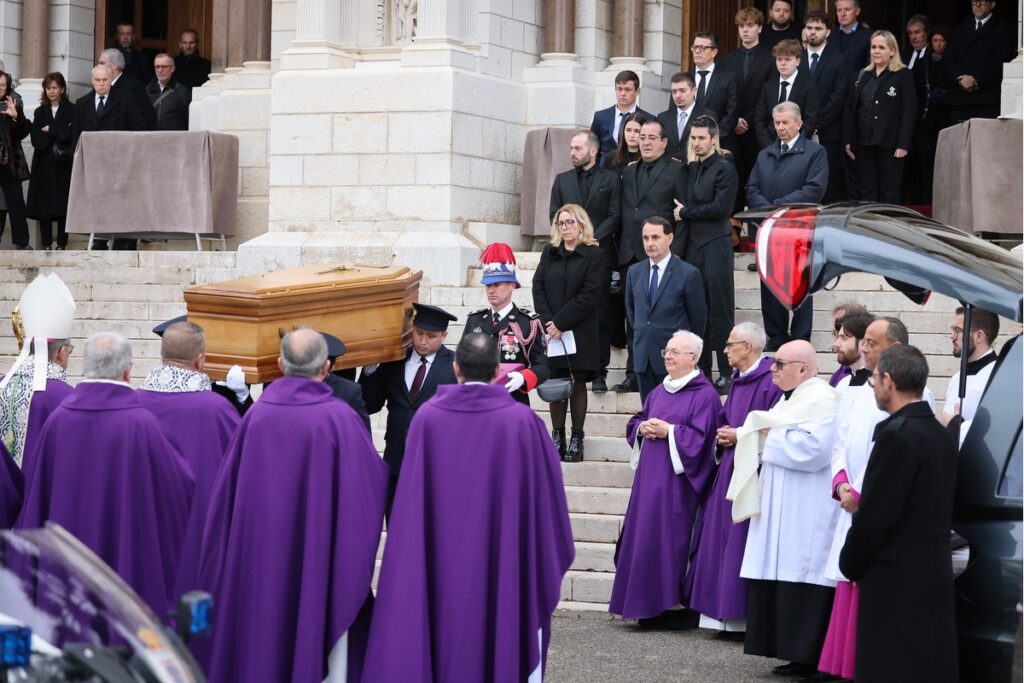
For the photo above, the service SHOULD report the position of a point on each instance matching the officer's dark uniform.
(520, 337)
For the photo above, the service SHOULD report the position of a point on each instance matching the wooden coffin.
(369, 309)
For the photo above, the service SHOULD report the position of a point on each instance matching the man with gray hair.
(292, 530)
(121, 82)
(716, 589)
(170, 98)
(104, 468)
(103, 109)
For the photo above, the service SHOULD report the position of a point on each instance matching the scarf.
(15, 402)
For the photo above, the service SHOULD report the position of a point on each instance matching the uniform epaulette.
(480, 312)
(528, 313)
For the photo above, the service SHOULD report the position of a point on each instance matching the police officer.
(519, 332)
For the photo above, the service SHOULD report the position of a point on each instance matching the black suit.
(604, 125)
(349, 392)
(760, 69)
(979, 53)
(833, 79)
(130, 87)
(898, 552)
(119, 113)
(921, 160)
(803, 92)
(603, 205)
(677, 144)
(171, 107)
(387, 386)
(770, 37)
(645, 194)
(708, 198)
(138, 65)
(191, 70)
(721, 100)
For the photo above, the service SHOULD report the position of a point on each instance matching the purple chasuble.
(103, 468)
(714, 584)
(291, 537)
(478, 544)
(43, 405)
(201, 423)
(12, 488)
(655, 544)
(837, 376)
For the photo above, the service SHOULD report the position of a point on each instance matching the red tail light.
(784, 243)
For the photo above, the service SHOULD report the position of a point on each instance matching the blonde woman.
(878, 123)
(566, 291)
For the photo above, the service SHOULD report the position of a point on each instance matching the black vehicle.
(801, 250)
(66, 616)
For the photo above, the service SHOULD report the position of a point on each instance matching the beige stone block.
(470, 204)
(493, 140)
(138, 292)
(331, 169)
(593, 586)
(594, 557)
(112, 310)
(512, 34)
(426, 132)
(430, 203)
(388, 169)
(356, 133)
(285, 170)
(489, 97)
(246, 110)
(387, 89)
(255, 181)
(433, 168)
(252, 219)
(482, 173)
(252, 147)
(186, 259)
(462, 170)
(300, 203)
(358, 203)
(300, 133)
(467, 134)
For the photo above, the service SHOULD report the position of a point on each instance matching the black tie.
(618, 125)
(702, 87)
(814, 61)
(782, 91)
(417, 381)
(746, 63)
(494, 320)
(99, 107)
(785, 148)
(978, 27)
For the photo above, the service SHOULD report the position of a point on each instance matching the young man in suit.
(706, 210)
(405, 385)
(974, 60)
(607, 123)
(826, 66)
(663, 295)
(675, 120)
(753, 65)
(598, 191)
(793, 85)
(649, 188)
(717, 90)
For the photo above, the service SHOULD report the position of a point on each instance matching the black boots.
(558, 436)
(574, 453)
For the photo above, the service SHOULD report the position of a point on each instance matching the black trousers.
(15, 208)
(605, 312)
(619, 309)
(836, 189)
(715, 261)
(777, 324)
(879, 174)
(920, 166)
(46, 232)
(966, 112)
(648, 381)
(746, 153)
(787, 620)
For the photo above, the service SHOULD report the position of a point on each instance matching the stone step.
(587, 587)
(598, 473)
(568, 608)
(595, 500)
(595, 528)
(598, 557)
(598, 424)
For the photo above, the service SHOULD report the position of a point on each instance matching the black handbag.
(557, 390)
(60, 151)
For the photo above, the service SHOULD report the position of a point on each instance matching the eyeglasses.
(163, 66)
(875, 376)
(781, 364)
(567, 223)
(701, 48)
(672, 353)
(729, 345)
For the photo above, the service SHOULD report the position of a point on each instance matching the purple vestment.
(837, 376)
(43, 404)
(103, 468)
(655, 544)
(291, 536)
(714, 584)
(478, 544)
(12, 488)
(201, 423)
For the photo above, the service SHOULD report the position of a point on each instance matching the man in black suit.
(783, 25)
(717, 89)
(649, 188)
(137, 64)
(170, 98)
(607, 123)
(405, 385)
(792, 85)
(103, 109)
(675, 120)
(826, 66)
(974, 60)
(917, 55)
(753, 65)
(897, 549)
(706, 210)
(598, 191)
(121, 82)
(342, 387)
(663, 295)
(852, 37)
(192, 70)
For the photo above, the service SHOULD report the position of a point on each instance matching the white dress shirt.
(413, 365)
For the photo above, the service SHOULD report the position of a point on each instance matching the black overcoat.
(51, 175)
(566, 288)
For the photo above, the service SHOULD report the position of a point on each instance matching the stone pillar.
(35, 49)
(442, 28)
(560, 26)
(559, 95)
(628, 29)
(321, 28)
(248, 32)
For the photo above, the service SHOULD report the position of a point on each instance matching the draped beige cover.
(977, 176)
(129, 183)
(546, 155)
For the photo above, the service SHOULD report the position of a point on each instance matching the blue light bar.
(15, 646)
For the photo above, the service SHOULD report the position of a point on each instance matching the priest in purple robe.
(104, 469)
(12, 489)
(292, 531)
(479, 539)
(715, 587)
(200, 422)
(673, 439)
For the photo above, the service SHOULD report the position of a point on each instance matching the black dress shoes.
(627, 385)
(794, 669)
(752, 267)
(599, 385)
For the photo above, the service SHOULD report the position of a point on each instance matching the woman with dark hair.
(628, 149)
(51, 164)
(565, 295)
(13, 167)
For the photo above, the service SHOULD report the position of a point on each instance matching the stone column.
(628, 29)
(442, 28)
(35, 48)
(321, 28)
(559, 95)
(560, 26)
(248, 32)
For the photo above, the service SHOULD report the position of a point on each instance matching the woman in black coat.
(13, 168)
(565, 295)
(51, 164)
(878, 123)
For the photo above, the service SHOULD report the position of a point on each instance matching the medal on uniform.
(510, 346)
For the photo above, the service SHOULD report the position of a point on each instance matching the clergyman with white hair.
(673, 439)
(717, 590)
(105, 470)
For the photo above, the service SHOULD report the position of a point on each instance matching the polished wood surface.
(369, 309)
